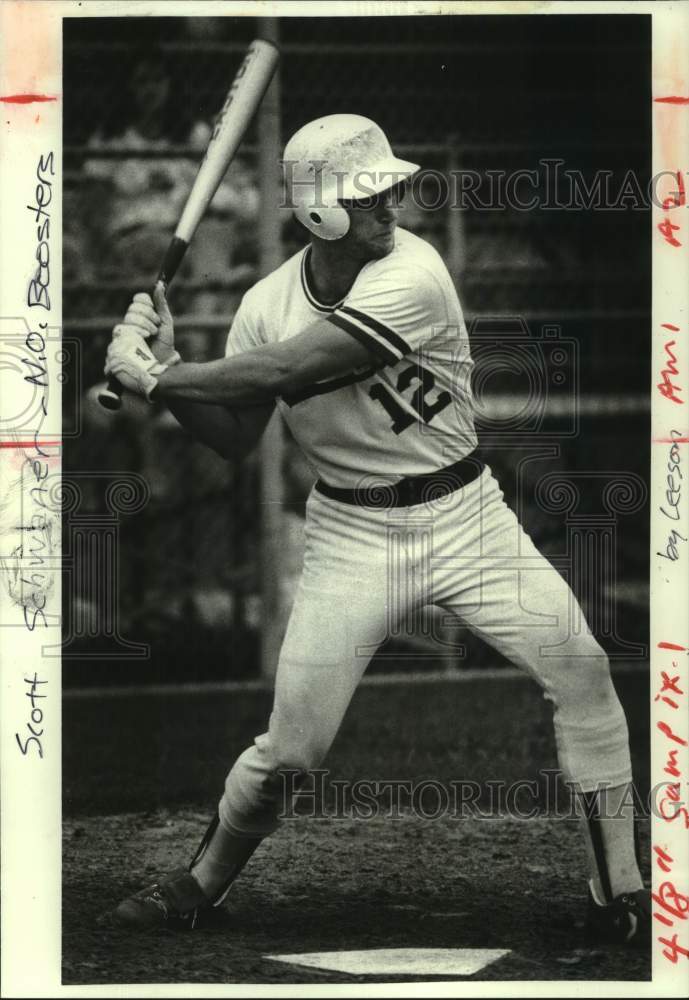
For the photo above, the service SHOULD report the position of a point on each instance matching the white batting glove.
(151, 319)
(132, 363)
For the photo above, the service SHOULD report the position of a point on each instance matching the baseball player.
(360, 342)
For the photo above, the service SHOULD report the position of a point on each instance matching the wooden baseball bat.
(241, 103)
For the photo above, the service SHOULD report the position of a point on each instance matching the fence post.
(456, 236)
(271, 481)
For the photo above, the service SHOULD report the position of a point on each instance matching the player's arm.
(232, 432)
(389, 312)
(271, 370)
(255, 376)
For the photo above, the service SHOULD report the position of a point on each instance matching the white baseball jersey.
(411, 411)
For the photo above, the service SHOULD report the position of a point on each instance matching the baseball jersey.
(410, 411)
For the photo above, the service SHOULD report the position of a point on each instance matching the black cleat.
(174, 902)
(626, 921)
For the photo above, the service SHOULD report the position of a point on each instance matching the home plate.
(398, 961)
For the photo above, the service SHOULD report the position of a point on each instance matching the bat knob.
(109, 398)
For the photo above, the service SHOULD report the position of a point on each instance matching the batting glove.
(151, 319)
(132, 363)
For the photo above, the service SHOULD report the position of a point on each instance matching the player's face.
(372, 223)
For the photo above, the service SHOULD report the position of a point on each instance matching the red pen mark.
(671, 100)
(671, 440)
(30, 444)
(667, 228)
(673, 950)
(670, 326)
(664, 860)
(26, 98)
(679, 199)
(670, 805)
(671, 645)
(672, 799)
(671, 764)
(669, 684)
(664, 728)
(667, 387)
(674, 903)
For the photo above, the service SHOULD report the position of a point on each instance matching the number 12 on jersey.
(424, 407)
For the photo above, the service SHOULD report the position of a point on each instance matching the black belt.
(410, 491)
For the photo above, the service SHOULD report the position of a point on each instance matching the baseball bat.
(241, 103)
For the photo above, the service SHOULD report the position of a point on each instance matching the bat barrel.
(232, 121)
(243, 98)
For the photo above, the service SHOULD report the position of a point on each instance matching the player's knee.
(302, 757)
(592, 663)
(291, 750)
(262, 770)
(298, 738)
(583, 687)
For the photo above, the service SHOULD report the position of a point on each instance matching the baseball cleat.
(627, 920)
(174, 902)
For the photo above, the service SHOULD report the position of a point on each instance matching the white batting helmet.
(336, 158)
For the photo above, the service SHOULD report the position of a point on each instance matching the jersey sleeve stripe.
(394, 340)
(365, 337)
(327, 386)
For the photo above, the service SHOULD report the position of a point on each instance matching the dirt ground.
(338, 884)
(142, 773)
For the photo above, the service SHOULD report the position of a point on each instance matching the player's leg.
(507, 592)
(339, 618)
(329, 642)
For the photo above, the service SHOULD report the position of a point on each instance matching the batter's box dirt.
(341, 884)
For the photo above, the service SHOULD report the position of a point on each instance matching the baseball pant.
(365, 569)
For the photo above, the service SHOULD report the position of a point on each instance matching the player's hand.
(152, 320)
(131, 362)
(163, 345)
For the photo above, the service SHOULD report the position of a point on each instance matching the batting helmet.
(336, 158)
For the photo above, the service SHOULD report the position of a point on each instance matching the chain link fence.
(463, 96)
